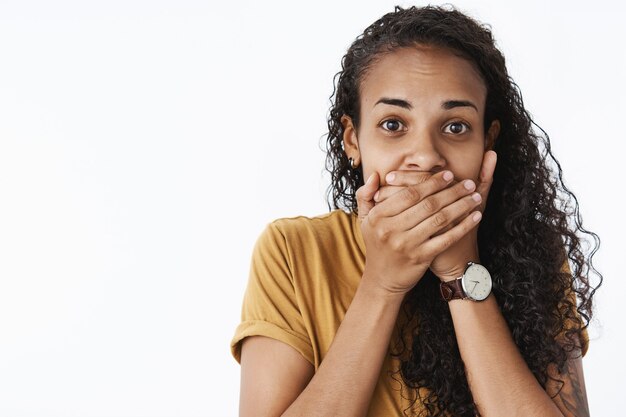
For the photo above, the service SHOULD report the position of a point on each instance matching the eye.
(392, 125)
(456, 128)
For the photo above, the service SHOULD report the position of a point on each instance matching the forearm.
(500, 381)
(344, 383)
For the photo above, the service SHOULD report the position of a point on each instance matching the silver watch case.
(476, 282)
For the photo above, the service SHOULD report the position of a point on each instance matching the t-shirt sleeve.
(270, 306)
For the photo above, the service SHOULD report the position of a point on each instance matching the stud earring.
(352, 164)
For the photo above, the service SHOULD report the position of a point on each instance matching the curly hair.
(528, 235)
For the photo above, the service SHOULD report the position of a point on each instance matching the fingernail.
(477, 216)
(369, 180)
(390, 177)
(448, 175)
(469, 185)
(376, 195)
(476, 197)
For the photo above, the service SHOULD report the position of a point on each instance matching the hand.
(451, 263)
(398, 232)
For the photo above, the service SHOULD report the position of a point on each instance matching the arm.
(399, 250)
(273, 374)
(500, 380)
(362, 338)
(572, 394)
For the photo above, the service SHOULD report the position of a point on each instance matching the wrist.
(371, 288)
(457, 271)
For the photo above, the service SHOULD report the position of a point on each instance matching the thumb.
(365, 195)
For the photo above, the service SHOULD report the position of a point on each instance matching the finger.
(365, 195)
(485, 179)
(407, 177)
(445, 229)
(444, 219)
(410, 195)
(434, 246)
(428, 206)
(385, 192)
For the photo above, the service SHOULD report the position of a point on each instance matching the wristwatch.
(475, 284)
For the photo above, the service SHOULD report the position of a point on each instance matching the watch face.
(476, 282)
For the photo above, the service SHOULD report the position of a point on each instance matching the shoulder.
(309, 241)
(323, 226)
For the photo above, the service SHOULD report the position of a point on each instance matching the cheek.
(374, 160)
(467, 165)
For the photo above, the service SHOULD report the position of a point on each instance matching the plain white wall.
(145, 144)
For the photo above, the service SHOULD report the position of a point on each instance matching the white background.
(145, 144)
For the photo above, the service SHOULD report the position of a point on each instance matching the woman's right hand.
(400, 233)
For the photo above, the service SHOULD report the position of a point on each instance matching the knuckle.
(416, 256)
(383, 233)
(412, 194)
(438, 181)
(426, 254)
(396, 245)
(424, 178)
(440, 219)
(447, 242)
(431, 205)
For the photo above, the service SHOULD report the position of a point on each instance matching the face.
(422, 109)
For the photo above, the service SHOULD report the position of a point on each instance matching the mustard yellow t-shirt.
(303, 276)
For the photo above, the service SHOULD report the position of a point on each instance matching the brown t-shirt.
(303, 276)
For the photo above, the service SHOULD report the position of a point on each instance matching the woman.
(445, 289)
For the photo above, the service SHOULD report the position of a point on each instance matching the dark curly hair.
(528, 235)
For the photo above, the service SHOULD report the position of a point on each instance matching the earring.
(352, 164)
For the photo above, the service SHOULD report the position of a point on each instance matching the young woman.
(444, 287)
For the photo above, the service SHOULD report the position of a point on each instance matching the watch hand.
(475, 284)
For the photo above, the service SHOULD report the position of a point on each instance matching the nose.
(422, 153)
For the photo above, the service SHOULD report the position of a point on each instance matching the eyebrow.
(450, 104)
(395, 102)
(446, 105)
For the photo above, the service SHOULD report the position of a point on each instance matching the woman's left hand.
(451, 263)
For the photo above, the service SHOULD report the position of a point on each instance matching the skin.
(418, 220)
(414, 143)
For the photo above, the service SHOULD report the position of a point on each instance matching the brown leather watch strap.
(452, 290)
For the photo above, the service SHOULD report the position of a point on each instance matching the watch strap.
(452, 290)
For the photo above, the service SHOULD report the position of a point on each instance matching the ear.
(492, 135)
(350, 140)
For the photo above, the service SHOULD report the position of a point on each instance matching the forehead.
(423, 75)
